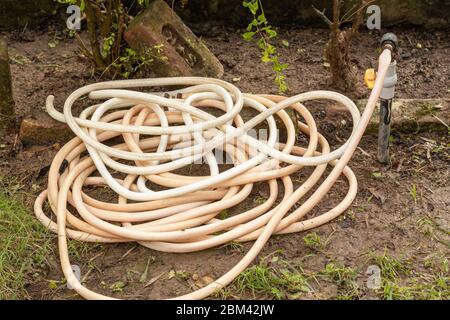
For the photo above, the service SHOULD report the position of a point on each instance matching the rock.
(408, 115)
(195, 277)
(207, 280)
(186, 54)
(44, 131)
(6, 98)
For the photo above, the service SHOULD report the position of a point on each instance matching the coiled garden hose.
(136, 140)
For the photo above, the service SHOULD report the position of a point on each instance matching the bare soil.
(385, 217)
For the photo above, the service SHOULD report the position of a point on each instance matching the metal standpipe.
(386, 97)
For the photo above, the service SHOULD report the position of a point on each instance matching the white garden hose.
(156, 134)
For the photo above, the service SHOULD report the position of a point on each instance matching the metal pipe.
(388, 41)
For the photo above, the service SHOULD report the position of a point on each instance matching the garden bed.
(399, 220)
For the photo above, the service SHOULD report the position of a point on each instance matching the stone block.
(186, 54)
(44, 131)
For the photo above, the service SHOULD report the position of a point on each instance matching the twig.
(153, 280)
(363, 6)
(126, 254)
(364, 152)
(83, 47)
(322, 15)
(441, 121)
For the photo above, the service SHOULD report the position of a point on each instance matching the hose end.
(389, 41)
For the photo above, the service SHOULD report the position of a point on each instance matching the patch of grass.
(432, 229)
(437, 261)
(416, 285)
(276, 280)
(79, 249)
(314, 241)
(24, 244)
(391, 267)
(424, 287)
(339, 273)
(345, 278)
(426, 226)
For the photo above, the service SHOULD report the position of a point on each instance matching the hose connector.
(389, 41)
(388, 91)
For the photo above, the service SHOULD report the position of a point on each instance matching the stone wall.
(427, 13)
(16, 14)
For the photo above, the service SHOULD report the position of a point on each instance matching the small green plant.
(426, 226)
(79, 249)
(117, 286)
(391, 267)
(413, 193)
(259, 200)
(222, 294)
(432, 229)
(130, 61)
(345, 278)
(234, 246)
(179, 274)
(377, 175)
(143, 3)
(313, 241)
(260, 28)
(339, 273)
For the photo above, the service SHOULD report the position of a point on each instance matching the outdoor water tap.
(388, 41)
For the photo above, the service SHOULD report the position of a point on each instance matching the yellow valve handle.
(369, 78)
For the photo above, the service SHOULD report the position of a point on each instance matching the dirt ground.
(401, 211)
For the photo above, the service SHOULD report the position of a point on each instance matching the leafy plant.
(260, 31)
(106, 21)
(413, 192)
(312, 240)
(130, 61)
